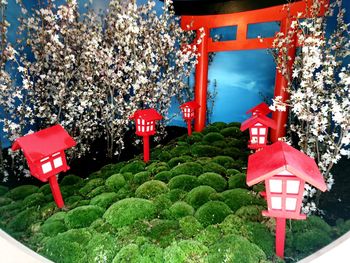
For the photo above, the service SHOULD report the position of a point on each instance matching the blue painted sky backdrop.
(243, 77)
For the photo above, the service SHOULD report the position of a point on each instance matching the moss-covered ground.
(189, 204)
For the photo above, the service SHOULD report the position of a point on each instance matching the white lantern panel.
(261, 140)
(254, 140)
(291, 204)
(46, 167)
(254, 131)
(57, 162)
(293, 186)
(275, 186)
(276, 202)
(262, 131)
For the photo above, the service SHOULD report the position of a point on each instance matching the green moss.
(82, 216)
(195, 137)
(237, 198)
(214, 167)
(162, 202)
(153, 168)
(237, 180)
(342, 226)
(151, 189)
(90, 185)
(199, 195)
(204, 150)
(133, 167)
(209, 129)
(22, 191)
(181, 209)
(189, 168)
(234, 248)
(97, 191)
(162, 232)
(312, 222)
(251, 213)
(189, 251)
(235, 153)
(224, 161)
(71, 179)
(212, 212)
(115, 182)
(128, 254)
(184, 182)
(69, 190)
(127, 211)
(234, 132)
(151, 253)
(176, 194)
(23, 220)
(214, 180)
(67, 247)
(104, 200)
(164, 156)
(100, 248)
(52, 228)
(209, 235)
(232, 172)
(34, 200)
(46, 189)
(237, 143)
(219, 124)
(212, 137)
(189, 226)
(180, 151)
(233, 224)
(59, 216)
(234, 124)
(109, 169)
(164, 176)
(3, 190)
(5, 201)
(179, 160)
(261, 236)
(72, 199)
(310, 241)
(142, 177)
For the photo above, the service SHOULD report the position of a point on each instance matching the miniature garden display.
(77, 85)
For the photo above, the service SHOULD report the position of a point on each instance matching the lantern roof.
(280, 157)
(147, 115)
(192, 104)
(258, 118)
(44, 143)
(261, 108)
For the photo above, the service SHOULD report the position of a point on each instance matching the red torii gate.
(278, 13)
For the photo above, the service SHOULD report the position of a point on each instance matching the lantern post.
(188, 113)
(44, 152)
(145, 121)
(284, 171)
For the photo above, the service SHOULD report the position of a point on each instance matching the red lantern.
(258, 129)
(262, 109)
(145, 126)
(285, 171)
(44, 152)
(188, 113)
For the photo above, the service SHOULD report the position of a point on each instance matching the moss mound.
(133, 167)
(82, 216)
(52, 228)
(91, 185)
(164, 176)
(234, 248)
(190, 251)
(234, 132)
(151, 189)
(260, 235)
(101, 248)
(3, 190)
(199, 150)
(213, 137)
(142, 177)
(237, 198)
(179, 151)
(214, 180)
(71, 180)
(190, 226)
(190, 168)
(199, 195)
(22, 191)
(115, 182)
(214, 167)
(184, 182)
(127, 211)
(23, 220)
(35, 199)
(237, 180)
(212, 212)
(251, 213)
(179, 160)
(104, 200)
(181, 209)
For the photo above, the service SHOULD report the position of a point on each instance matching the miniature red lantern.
(188, 111)
(258, 129)
(262, 109)
(285, 171)
(145, 126)
(44, 151)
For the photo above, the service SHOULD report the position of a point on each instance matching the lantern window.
(262, 131)
(46, 167)
(276, 202)
(261, 140)
(291, 204)
(275, 186)
(57, 162)
(254, 131)
(293, 186)
(254, 140)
